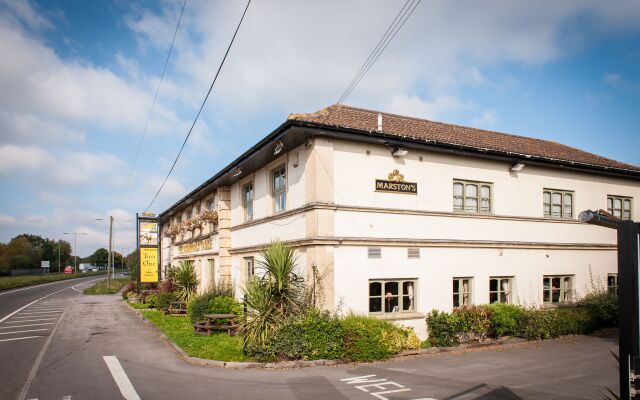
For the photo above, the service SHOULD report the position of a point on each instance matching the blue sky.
(78, 79)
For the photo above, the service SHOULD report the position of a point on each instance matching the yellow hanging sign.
(148, 264)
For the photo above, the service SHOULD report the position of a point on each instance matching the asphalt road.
(101, 350)
(28, 317)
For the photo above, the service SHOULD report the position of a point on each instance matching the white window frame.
(548, 206)
(279, 191)
(479, 198)
(460, 295)
(612, 283)
(612, 209)
(565, 292)
(249, 267)
(248, 205)
(499, 292)
(386, 301)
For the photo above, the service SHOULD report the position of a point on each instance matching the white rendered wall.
(437, 267)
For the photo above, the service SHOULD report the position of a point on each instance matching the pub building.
(399, 216)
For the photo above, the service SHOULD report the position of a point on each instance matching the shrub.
(310, 336)
(367, 339)
(224, 305)
(473, 323)
(151, 300)
(443, 329)
(602, 309)
(198, 307)
(131, 287)
(505, 319)
(164, 299)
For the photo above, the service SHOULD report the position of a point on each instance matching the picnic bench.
(177, 309)
(216, 322)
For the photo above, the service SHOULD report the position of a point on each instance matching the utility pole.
(110, 259)
(59, 255)
(75, 247)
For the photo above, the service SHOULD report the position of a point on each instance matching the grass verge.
(103, 288)
(12, 282)
(180, 331)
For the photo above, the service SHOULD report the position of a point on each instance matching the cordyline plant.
(186, 280)
(274, 295)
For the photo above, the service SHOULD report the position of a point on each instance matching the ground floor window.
(211, 272)
(557, 289)
(389, 296)
(461, 292)
(612, 284)
(500, 289)
(249, 267)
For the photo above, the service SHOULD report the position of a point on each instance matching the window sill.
(398, 315)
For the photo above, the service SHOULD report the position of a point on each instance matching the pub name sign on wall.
(396, 184)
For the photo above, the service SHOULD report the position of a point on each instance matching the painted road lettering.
(368, 383)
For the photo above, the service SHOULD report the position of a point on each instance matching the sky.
(77, 80)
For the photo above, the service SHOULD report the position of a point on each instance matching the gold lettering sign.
(396, 184)
(192, 247)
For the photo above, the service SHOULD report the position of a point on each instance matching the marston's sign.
(396, 184)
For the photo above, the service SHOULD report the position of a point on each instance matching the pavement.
(101, 350)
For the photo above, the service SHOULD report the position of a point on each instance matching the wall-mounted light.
(279, 147)
(517, 167)
(236, 172)
(399, 152)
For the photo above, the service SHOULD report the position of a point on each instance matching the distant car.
(68, 270)
(125, 273)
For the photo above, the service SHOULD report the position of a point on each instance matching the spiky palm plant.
(279, 292)
(186, 280)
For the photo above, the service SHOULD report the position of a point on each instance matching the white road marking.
(33, 320)
(33, 302)
(379, 384)
(19, 338)
(68, 397)
(36, 313)
(22, 326)
(29, 330)
(123, 382)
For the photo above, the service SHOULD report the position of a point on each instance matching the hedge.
(475, 323)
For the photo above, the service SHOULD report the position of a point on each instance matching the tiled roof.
(347, 117)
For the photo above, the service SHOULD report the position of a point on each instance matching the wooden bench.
(216, 323)
(177, 309)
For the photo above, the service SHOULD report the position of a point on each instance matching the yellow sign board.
(148, 264)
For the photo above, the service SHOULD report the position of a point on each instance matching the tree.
(19, 254)
(100, 257)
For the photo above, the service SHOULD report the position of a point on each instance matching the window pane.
(466, 299)
(457, 189)
(493, 285)
(547, 197)
(391, 288)
(485, 192)
(493, 298)
(505, 285)
(617, 203)
(568, 199)
(547, 209)
(407, 303)
(375, 289)
(456, 300)
(375, 304)
(472, 191)
(456, 284)
(617, 213)
(556, 198)
(391, 304)
(568, 211)
(546, 296)
(555, 296)
(555, 283)
(457, 203)
(471, 204)
(627, 205)
(504, 298)
(485, 205)
(609, 203)
(556, 210)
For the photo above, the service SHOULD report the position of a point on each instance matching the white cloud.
(416, 107)
(26, 128)
(486, 119)
(617, 81)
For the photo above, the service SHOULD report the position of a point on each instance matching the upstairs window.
(210, 206)
(247, 201)
(471, 196)
(619, 206)
(557, 203)
(279, 189)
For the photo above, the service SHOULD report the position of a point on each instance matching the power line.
(201, 106)
(398, 22)
(153, 104)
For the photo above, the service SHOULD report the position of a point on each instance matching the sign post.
(46, 265)
(148, 248)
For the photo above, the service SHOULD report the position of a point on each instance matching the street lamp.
(75, 246)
